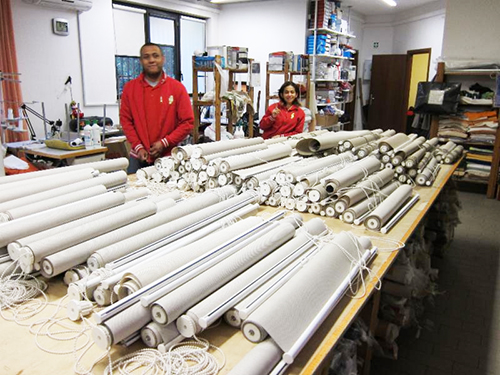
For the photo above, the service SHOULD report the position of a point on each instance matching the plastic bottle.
(87, 136)
(239, 133)
(96, 134)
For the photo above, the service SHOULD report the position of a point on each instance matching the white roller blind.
(162, 31)
(193, 37)
(129, 30)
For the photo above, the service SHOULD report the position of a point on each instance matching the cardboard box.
(326, 120)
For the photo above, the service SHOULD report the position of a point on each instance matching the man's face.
(152, 61)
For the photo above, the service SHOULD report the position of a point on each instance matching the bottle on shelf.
(96, 134)
(87, 135)
(239, 133)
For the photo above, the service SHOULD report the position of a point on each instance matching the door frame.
(409, 65)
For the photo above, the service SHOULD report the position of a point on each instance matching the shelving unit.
(217, 102)
(462, 75)
(288, 75)
(327, 85)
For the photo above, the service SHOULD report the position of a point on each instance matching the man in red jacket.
(155, 112)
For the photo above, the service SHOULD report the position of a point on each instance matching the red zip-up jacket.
(174, 111)
(288, 122)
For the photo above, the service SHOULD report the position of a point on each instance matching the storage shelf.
(329, 104)
(332, 56)
(441, 76)
(331, 80)
(197, 103)
(472, 72)
(332, 32)
(470, 180)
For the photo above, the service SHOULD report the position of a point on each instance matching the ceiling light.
(392, 3)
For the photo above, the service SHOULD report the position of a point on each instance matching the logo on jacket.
(292, 116)
(171, 99)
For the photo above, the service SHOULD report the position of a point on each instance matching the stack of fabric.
(453, 128)
(482, 126)
(470, 125)
(478, 163)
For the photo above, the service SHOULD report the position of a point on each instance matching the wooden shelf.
(217, 101)
(471, 72)
(287, 76)
(441, 76)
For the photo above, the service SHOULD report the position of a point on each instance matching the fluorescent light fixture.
(392, 3)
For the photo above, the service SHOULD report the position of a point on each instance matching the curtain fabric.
(12, 95)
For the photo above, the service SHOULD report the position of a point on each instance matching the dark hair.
(282, 89)
(150, 45)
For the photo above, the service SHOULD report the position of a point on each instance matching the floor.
(465, 339)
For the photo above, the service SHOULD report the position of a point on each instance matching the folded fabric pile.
(474, 126)
(482, 126)
(478, 163)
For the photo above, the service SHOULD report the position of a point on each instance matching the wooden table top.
(20, 353)
(54, 153)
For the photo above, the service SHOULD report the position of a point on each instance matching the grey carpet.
(465, 337)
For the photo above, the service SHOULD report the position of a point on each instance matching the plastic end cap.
(4, 217)
(150, 337)
(13, 250)
(372, 223)
(186, 326)
(94, 262)
(159, 315)
(102, 296)
(76, 309)
(287, 358)
(348, 217)
(102, 337)
(74, 292)
(26, 259)
(232, 318)
(253, 333)
(340, 207)
(47, 268)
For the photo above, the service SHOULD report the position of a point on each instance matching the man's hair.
(150, 45)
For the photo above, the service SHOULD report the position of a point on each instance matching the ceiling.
(363, 7)
(378, 7)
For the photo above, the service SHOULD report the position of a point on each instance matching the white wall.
(264, 27)
(45, 60)
(471, 30)
(396, 34)
(414, 31)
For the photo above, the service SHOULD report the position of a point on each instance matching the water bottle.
(87, 136)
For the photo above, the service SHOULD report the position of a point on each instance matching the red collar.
(293, 107)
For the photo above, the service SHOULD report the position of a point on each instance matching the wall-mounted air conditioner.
(80, 5)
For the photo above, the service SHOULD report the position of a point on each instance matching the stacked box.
(325, 10)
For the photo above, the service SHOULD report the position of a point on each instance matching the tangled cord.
(22, 296)
(185, 358)
(18, 288)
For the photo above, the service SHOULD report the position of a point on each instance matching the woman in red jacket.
(285, 117)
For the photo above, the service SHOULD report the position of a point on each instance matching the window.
(177, 36)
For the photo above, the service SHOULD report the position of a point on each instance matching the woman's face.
(289, 94)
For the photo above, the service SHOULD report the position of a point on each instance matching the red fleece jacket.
(172, 108)
(288, 122)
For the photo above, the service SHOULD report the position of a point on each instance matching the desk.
(19, 351)
(66, 157)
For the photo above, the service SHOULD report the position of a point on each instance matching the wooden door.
(388, 93)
